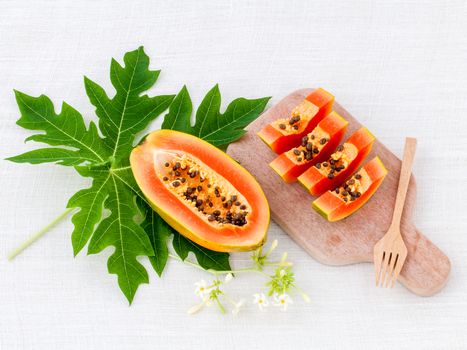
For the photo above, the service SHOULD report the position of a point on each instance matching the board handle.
(426, 269)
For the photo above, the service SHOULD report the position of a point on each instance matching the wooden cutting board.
(351, 240)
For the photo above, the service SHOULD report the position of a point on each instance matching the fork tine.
(379, 260)
(391, 270)
(385, 268)
(397, 270)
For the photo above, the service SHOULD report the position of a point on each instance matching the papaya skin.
(334, 126)
(203, 242)
(316, 183)
(334, 209)
(281, 142)
(222, 238)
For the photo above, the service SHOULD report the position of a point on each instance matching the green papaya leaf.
(108, 211)
(219, 129)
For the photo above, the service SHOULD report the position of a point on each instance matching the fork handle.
(404, 179)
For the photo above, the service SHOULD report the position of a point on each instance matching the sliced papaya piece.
(341, 202)
(314, 148)
(201, 192)
(340, 165)
(285, 133)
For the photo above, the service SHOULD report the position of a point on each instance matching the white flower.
(237, 306)
(260, 300)
(201, 289)
(284, 261)
(305, 297)
(228, 278)
(196, 308)
(282, 300)
(282, 272)
(272, 247)
(284, 257)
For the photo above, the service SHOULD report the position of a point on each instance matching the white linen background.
(398, 66)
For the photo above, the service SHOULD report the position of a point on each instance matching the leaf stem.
(188, 262)
(121, 169)
(39, 234)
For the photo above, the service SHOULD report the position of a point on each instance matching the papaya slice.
(346, 199)
(314, 148)
(340, 165)
(285, 133)
(201, 192)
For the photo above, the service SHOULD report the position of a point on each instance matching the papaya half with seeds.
(285, 133)
(201, 192)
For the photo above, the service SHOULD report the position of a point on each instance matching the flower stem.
(39, 234)
(248, 269)
(214, 272)
(221, 307)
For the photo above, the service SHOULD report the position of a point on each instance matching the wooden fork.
(390, 252)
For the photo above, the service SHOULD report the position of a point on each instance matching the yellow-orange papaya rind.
(332, 208)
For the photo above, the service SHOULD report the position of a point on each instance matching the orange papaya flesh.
(315, 147)
(201, 192)
(344, 200)
(340, 165)
(283, 134)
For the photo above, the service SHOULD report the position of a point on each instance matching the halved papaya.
(285, 133)
(315, 147)
(344, 200)
(201, 192)
(340, 165)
